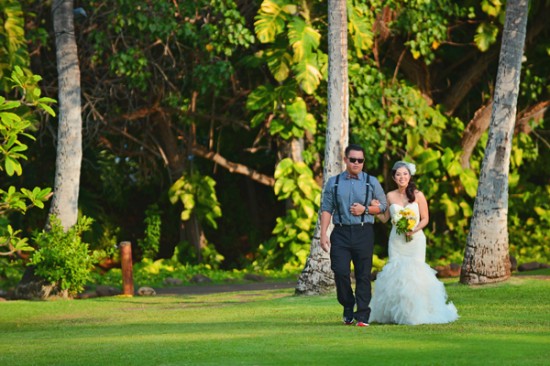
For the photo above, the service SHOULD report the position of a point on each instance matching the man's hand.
(358, 209)
(325, 243)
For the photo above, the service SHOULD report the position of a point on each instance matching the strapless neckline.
(408, 204)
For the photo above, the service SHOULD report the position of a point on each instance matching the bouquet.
(404, 221)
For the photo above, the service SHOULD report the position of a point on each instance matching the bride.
(407, 290)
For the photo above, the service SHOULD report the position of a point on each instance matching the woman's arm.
(424, 213)
(384, 216)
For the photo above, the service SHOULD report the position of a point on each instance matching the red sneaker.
(362, 324)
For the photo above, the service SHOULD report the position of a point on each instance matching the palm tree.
(317, 277)
(486, 257)
(69, 135)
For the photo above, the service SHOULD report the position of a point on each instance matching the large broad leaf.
(277, 127)
(297, 111)
(469, 181)
(303, 224)
(279, 61)
(308, 74)
(428, 161)
(288, 186)
(303, 38)
(261, 98)
(360, 25)
(284, 168)
(8, 105)
(271, 19)
(466, 209)
(309, 209)
(448, 206)
(306, 184)
(12, 166)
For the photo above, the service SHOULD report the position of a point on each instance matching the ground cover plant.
(504, 324)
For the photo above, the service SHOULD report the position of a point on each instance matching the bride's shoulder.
(390, 195)
(419, 195)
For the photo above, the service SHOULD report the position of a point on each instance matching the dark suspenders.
(336, 199)
(367, 186)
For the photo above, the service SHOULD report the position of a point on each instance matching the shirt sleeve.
(327, 200)
(379, 195)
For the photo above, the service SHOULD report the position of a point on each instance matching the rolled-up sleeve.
(327, 201)
(380, 195)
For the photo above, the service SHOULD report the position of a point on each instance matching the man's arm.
(325, 222)
(327, 207)
(380, 196)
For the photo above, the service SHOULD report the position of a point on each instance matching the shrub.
(62, 258)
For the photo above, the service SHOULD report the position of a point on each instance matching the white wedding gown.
(407, 291)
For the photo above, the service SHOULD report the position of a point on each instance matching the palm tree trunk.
(69, 136)
(317, 277)
(486, 257)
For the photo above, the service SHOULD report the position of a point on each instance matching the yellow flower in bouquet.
(404, 221)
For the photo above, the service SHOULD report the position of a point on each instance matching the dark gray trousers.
(355, 244)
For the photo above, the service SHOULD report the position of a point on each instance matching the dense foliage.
(214, 113)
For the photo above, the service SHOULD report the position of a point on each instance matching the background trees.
(218, 94)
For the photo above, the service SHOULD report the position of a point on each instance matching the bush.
(149, 245)
(62, 258)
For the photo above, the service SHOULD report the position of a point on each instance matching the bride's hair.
(411, 187)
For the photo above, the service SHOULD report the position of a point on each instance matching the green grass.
(500, 324)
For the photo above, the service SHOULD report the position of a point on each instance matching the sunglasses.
(355, 160)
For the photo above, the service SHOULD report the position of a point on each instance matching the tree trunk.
(69, 136)
(317, 277)
(192, 230)
(486, 257)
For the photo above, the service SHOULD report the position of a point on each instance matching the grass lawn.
(500, 324)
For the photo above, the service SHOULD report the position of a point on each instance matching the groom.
(347, 201)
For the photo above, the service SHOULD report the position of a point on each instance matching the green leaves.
(297, 51)
(360, 25)
(271, 19)
(288, 114)
(15, 121)
(13, 242)
(198, 195)
(62, 258)
(486, 36)
(294, 181)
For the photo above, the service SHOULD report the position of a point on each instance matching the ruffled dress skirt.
(407, 290)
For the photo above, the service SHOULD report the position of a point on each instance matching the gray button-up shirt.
(350, 191)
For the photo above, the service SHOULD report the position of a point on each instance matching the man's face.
(354, 162)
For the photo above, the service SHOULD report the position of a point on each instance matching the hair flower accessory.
(410, 166)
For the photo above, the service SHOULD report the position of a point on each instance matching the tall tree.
(317, 277)
(486, 257)
(69, 134)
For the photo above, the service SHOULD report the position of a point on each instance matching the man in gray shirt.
(347, 201)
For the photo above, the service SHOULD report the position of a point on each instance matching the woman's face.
(402, 177)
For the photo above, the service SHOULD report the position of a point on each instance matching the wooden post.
(126, 262)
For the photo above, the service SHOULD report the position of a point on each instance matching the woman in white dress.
(407, 290)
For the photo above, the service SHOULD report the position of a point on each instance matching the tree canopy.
(196, 107)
